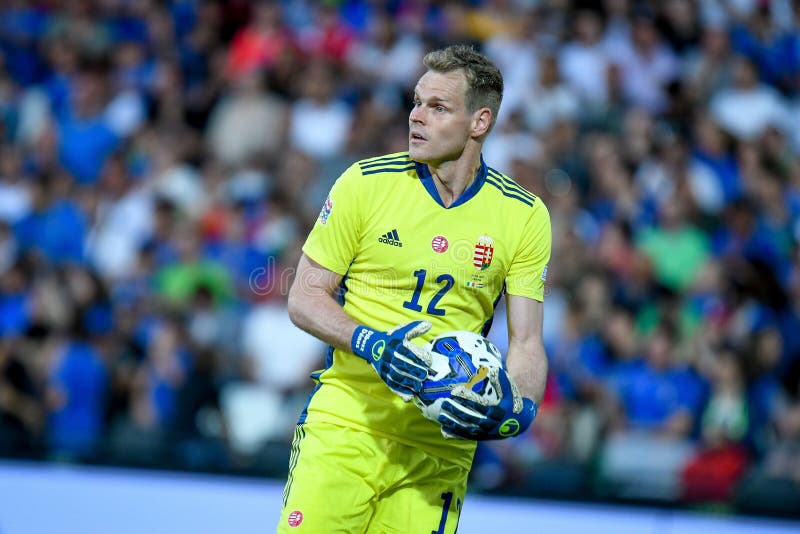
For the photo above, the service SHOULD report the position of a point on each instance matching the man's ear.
(481, 122)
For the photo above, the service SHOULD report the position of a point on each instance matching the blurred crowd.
(162, 161)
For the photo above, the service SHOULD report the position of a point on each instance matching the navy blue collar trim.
(427, 180)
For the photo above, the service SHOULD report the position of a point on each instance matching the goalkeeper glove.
(467, 415)
(401, 364)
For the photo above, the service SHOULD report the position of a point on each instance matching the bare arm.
(313, 308)
(526, 359)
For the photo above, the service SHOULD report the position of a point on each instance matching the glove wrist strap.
(363, 340)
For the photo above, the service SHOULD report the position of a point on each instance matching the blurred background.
(162, 161)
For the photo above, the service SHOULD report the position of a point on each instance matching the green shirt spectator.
(677, 250)
(179, 282)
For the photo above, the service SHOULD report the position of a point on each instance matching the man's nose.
(416, 115)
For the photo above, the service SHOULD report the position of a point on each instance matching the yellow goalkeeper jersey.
(404, 257)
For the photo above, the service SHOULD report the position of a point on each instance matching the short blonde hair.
(484, 80)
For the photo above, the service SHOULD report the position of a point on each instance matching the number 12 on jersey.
(444, 280)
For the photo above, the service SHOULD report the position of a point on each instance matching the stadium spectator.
(713, 473)
(320, 120)
(158, 161)
(583, 59)
(654, 405)
(21, 415)
(85, 137)
(75, 396)
(260, 43)
(747, 107)
(249, 122)
(647, 65)
(551, 100)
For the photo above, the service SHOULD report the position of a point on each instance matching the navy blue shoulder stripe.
(511, 190)
(514, 187)
(384, 158)
(511, 185)
(398, 161)
(408, 167)
(507, 180)
(509, 194)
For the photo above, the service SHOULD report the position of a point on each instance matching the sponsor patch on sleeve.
(325, 212)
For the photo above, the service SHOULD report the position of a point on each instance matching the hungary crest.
(484, 250)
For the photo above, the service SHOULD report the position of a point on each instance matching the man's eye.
(440, 109)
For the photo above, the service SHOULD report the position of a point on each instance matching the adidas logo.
(391, 238)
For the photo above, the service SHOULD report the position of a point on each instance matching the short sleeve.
(528, 271)
(333, 241)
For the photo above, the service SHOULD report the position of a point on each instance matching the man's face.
(439, 122)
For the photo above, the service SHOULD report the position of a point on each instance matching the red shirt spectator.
(259, 44)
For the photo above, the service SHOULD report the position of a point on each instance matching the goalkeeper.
(408, 246)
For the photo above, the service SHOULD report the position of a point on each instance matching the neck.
(453, 177)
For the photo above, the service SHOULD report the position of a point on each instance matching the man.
(432, 236)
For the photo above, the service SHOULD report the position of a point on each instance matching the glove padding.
(467, 415)
(401, 364)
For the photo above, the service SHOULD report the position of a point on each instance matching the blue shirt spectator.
(20, 29)
(724, 170)
(14, 313)
(776, 54)
(581, 365)
(651, 396)
(57, 231)
(79, 382)
(745, 236)
(656, 389)
(164, 370)
(84, 146)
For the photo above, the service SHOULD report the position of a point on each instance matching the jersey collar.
(427, 180)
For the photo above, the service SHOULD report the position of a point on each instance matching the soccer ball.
(459, 357)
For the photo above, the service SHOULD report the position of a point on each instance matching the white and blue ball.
(459, 357)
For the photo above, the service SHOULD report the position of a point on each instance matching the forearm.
(322, 317)
(527, 365)
(526, 359)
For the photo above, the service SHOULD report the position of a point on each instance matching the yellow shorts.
(349, 481)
